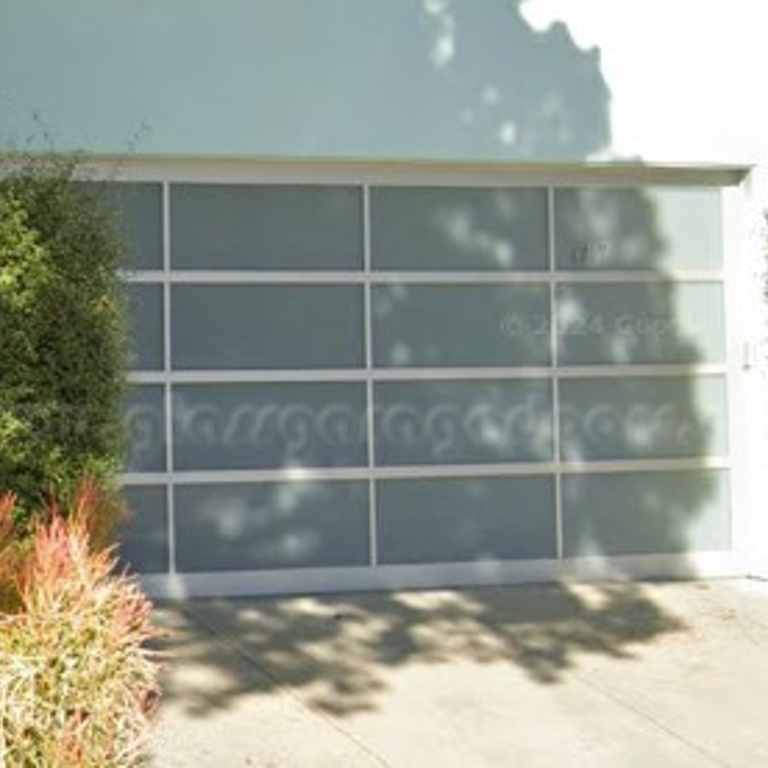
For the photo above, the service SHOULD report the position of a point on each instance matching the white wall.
(661, 80)
(684, 75)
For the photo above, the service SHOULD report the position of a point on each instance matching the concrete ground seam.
(244, 654)
(655, 722)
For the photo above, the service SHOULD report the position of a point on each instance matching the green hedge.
(62, 348)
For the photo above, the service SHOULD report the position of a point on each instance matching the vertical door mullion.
(368, 320)
(554, 354)
(167, 369)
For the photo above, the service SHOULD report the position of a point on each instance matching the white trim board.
(439, 576)
(313, 170)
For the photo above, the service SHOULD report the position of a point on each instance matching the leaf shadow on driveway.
(336, 652)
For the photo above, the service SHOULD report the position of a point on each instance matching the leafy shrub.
(77, 683)
(99, 509)
(61, 322)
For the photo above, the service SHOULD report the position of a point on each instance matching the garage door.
(407, 381)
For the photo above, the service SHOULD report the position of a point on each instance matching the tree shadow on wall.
(655, 331)
(533, 94)
(441, 78)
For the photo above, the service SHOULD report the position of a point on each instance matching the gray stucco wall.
(403, 78)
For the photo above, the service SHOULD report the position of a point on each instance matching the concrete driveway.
(619, 674)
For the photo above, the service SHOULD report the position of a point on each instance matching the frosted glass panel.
(641, 323)
(145, 310)
(426, 228)
(265, 326)
(271, 525)
(643, 418)
(650, 229)
(228, 226)
(481, 325)
(650, 512)
(468, 422)
(144, 419)
(260, 426)
(143, 535)
(431, 521)
(140, 216)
